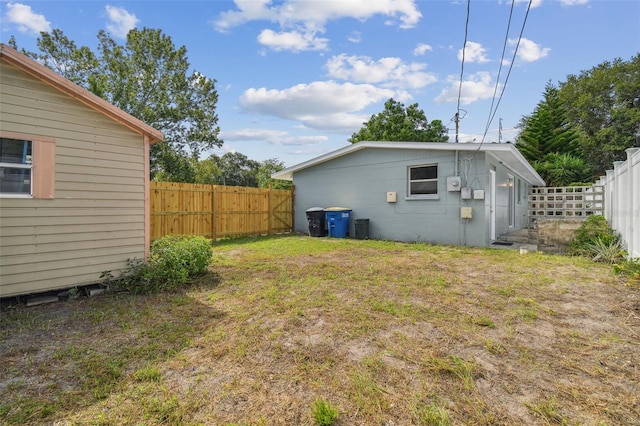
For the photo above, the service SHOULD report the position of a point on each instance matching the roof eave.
(502, 149)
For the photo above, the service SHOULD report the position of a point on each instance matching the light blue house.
(442, 193)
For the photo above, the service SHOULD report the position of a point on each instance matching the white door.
(492, 205)
(511, 203)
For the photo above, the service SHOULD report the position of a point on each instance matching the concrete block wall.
(555, 235)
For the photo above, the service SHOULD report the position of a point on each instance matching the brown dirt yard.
(387, 333)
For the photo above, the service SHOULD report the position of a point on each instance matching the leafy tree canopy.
(397, 123)
(149, 78)
(604, 103)
(562, 169)
(231, 169)
(585, 124)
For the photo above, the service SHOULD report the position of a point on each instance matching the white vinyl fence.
(622, 199)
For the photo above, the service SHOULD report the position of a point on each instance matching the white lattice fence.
(573, 202)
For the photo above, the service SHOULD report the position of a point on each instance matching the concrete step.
(521, 236)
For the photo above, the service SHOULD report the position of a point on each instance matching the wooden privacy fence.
(216, 211)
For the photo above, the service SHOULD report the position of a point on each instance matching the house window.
(27, 166)
(423, 180)
(16, 167)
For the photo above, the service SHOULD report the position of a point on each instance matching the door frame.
(492, 205)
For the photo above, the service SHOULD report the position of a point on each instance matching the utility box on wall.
(466, 213)
(392, 197)
(466, 193)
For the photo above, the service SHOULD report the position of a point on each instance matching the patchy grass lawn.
(286, 329)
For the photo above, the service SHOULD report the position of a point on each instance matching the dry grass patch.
(382, 332)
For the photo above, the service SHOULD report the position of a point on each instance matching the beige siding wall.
(96, 221)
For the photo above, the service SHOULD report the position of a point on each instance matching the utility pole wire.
(464, 48)
(495, 89)
(515, 52)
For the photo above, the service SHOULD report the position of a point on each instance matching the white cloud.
(120, 21)
(310, 17)
(293, 41)
(473, 52)
(421, 49)
(317, 12)
(388, 72)
(26, 19)
(574, 2)
(529, 51)
(273, 137)
(325, 105)
(534, 3)
(355, 37)
(477, 86)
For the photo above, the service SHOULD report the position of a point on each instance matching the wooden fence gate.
(217, 211)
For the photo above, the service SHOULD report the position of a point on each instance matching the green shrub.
(609, 252)
(323, 413)
(629, 268)
(172, 261)
(594, 230)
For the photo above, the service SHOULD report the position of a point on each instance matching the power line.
(504, 49)
(515, 52)
(464, 48)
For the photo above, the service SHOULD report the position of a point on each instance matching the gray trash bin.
(315, 217)
(362, 228)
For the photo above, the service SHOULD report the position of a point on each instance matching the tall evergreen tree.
(551, 143)
(547, 130)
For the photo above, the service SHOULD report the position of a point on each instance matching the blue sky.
(296, 78)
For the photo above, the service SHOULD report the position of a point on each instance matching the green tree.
(562, 169)
(57, 52)
(208, 172)
(604, 103)
(149, 78)
(397, 123)
(551, 143)
(237, 169)
(183, 168)
(547, 130)
(266, 169)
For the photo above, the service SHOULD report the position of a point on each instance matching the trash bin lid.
(336, 209)
(316, 209)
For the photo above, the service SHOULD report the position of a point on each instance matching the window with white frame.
(423, 180)
(16, 167)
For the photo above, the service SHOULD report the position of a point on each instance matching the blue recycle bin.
(337, 219)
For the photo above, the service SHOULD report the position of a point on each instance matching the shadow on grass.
(63, 357)
(232, 241)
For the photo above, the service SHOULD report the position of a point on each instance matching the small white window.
(16, 167)
(423, 180)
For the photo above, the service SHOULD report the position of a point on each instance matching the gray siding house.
(74, 181)
(441, 193)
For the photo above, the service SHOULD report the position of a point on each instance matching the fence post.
(213, 212)
(633, 232)
(293, 208)
(270, 214)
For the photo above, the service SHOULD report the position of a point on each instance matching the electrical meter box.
(454, 183)
(478, 194)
